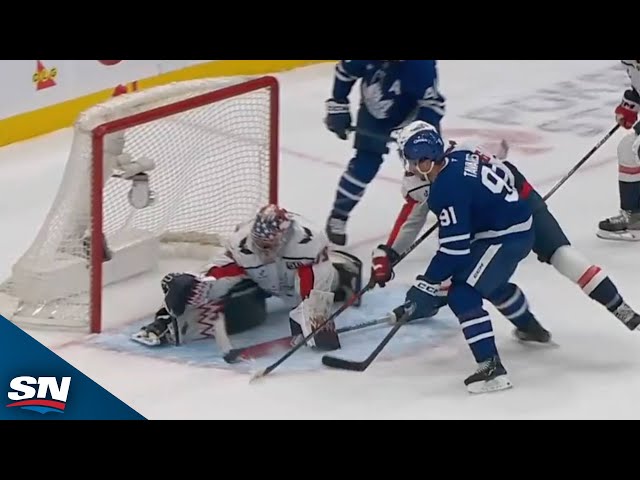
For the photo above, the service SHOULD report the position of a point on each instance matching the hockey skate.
(162, 331)
(625, 227)
(336, 230)
(491, 376)
(534, 333)
(628, 316)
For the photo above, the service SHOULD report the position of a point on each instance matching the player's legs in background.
(361, 170)
(626, 225)
(553, 247)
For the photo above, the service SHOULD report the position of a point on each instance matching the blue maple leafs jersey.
(473, 202)
(393, 91)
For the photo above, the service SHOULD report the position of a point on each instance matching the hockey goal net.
(207, 149)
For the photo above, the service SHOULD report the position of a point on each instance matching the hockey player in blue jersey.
(551, 245)
(392, 94)
(485, 230)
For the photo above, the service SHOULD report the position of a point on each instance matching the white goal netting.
(204, 148)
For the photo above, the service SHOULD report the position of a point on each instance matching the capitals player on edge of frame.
(392, 94)
(278, 253)
(626, 225)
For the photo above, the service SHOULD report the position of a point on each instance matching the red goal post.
(207, 150)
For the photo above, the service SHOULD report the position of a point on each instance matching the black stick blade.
(342, 364)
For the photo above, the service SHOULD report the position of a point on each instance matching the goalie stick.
(361, 366)
(261, 349)
(347, 304)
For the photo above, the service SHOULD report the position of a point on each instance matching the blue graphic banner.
(37, 384)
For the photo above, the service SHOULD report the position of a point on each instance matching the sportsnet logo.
(29, 398)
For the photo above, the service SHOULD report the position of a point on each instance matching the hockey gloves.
(425, 296)
(382, 259)
(627, 111)
(338, 119)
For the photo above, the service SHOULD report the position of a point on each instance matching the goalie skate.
(162, 331)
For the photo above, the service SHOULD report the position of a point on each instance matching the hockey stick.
(263, 348)
(346, 305)
(361, 366)
(374, 135)
(581, 162)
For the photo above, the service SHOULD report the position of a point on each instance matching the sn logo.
(28, 398)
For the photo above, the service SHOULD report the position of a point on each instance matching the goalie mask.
(269, 230)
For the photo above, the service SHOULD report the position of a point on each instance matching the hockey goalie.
(278, 253)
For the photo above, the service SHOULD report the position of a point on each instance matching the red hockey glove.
(627, 111)
(382, 260)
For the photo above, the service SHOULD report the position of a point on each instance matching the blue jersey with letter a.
(473, 202)
(393, 91)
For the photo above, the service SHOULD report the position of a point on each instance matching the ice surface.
(552, 112)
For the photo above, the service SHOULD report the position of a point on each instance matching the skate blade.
(145, 339)
(533, 344)
(494, 385)
(625, 236)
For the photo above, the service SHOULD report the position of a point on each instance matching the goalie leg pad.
(311, 313)
(204, 323)
(349, 270)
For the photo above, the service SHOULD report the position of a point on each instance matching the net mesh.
(209, 168)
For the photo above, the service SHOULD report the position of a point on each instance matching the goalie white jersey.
(281, 254)
(633, 70)
(302, 264)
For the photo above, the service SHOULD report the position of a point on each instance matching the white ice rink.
(552, 112)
